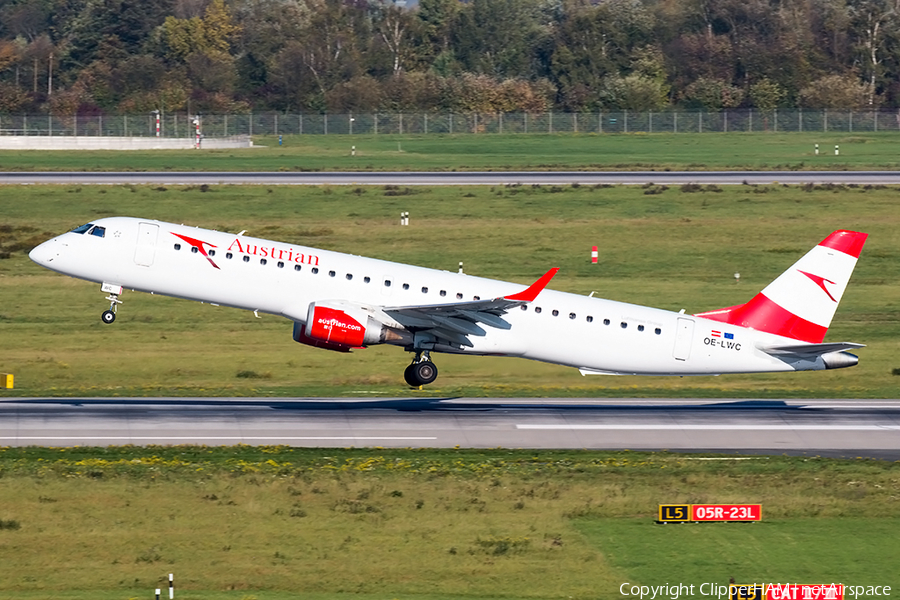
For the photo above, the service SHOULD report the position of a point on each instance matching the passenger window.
(571, 315)
(315, 270)
(476, 297)
(555, 313)
(228, 255)
(194, 250)
(387, 283)
(262, 261)
(424, 290)
(458, 296)
(589, 319)
(657, 331)
(178, 246)
(524, 307)
(624, 325)
(349, 276)
(367, 279)
(212, 252)
(246, 259)
(405, 286)
(443, 292)
(537, 309)
(280, 265)
(331, 273)
(640, 327)
(296, 267)
(606, 321)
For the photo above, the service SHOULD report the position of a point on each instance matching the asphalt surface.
(456, 178)
(846, 428)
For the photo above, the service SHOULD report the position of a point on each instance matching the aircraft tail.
(801, 302)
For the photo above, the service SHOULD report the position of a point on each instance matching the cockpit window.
(83, 228)
(98, 231)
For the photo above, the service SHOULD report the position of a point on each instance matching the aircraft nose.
(45, 253)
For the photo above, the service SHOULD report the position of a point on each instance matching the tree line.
(89, 57)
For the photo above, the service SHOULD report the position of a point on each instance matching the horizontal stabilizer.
(811, 349)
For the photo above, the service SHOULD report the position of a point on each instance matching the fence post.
(600, 121)
(326, 124)
(800, 120)
(526, 122)
(250, 127)
(775, 119)
(550, 126)
(825, 121)
(850, 120)
(401, 123)
(276, 123)
(501, 123)
(651, 122)
(225, 121)
(451, 123)
(751, 120)
(426, 123)
(700, 122)
(726, 122)
(626, 120)
(875, 118)
(675, 123)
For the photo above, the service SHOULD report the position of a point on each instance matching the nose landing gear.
(109, 316)
(422, 371)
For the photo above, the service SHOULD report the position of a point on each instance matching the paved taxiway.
(454, 178)
(866, 428)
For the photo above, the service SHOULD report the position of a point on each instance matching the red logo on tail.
(198, 244)
(820, 281)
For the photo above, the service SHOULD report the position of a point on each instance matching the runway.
(455, 178)
(847, 428)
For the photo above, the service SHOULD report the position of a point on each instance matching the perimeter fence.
(183, 125)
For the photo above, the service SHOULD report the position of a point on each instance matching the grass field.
(275, 523)
(661, 247)
(739, 151)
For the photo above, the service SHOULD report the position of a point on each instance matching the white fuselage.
(595, 335)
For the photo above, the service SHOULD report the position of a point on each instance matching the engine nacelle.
(341, 326)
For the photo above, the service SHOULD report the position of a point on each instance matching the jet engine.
(341, 326)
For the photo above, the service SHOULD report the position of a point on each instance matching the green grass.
(269, 522)
(672, 250)
(739, 151)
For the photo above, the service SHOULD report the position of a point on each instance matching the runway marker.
(712, 426)
(230, 437)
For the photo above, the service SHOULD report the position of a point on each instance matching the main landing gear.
(422, 371)
(109, 316)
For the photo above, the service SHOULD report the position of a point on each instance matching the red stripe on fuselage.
(764, 315)
(848, 242)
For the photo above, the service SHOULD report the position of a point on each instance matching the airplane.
(342, 302)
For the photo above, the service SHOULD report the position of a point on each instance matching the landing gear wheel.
(410, 376)
(421, 373)
(108, 316)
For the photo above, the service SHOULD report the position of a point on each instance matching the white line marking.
(712, 426)
(230, 437)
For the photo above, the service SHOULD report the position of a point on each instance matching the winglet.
(532, 292)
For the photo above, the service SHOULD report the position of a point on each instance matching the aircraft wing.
(457, 321)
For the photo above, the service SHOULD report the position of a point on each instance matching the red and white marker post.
(595, 256)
